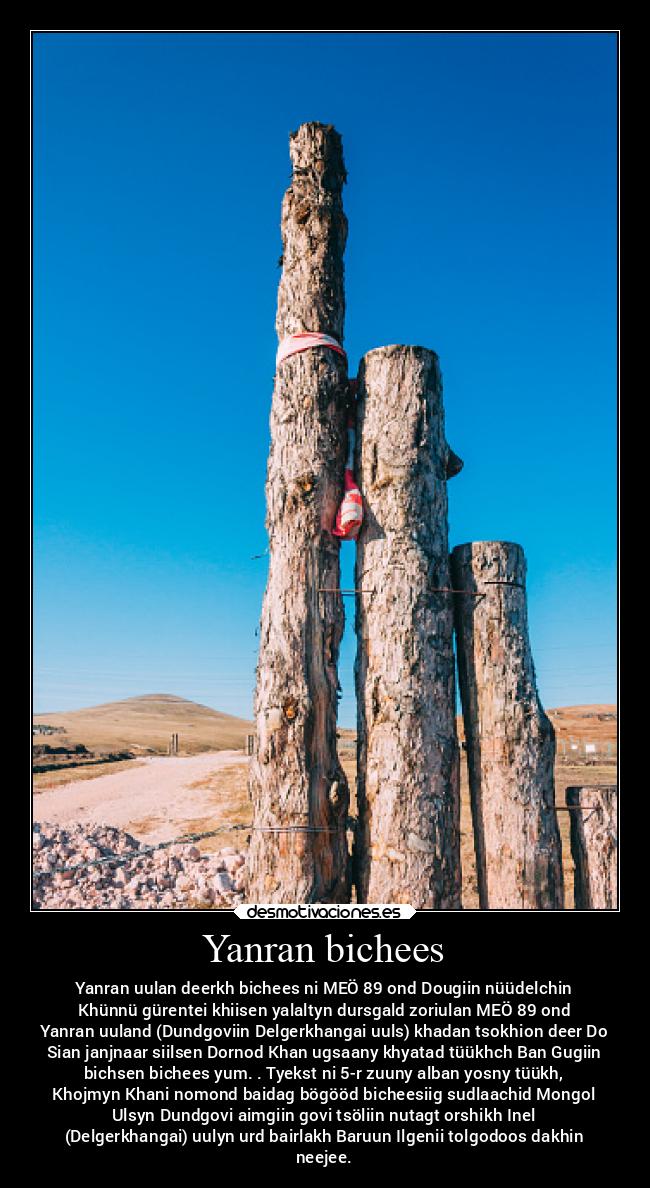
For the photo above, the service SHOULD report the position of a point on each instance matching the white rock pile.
(180, 876)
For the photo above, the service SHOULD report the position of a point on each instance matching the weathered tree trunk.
(407, 848)
(298, 847)
(510, 741)
(594, 846)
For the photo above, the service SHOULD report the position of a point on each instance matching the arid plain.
(156, 797)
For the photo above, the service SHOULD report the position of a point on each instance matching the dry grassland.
(144, 724)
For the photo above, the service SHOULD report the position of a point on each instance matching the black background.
(578, 948)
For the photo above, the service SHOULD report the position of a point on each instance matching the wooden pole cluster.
(299, 849)
(594, 846)
(510, 740)
(407, 847)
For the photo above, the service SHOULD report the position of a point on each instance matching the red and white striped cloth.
(350, 514)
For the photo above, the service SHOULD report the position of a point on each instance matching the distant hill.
(596, 723)
(143, 725)
(593, 723)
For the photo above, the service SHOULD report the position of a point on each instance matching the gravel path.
(155, 796)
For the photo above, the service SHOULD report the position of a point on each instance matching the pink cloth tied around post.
(294, 343)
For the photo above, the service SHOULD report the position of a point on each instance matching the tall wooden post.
(510, 740)
(298, 847)
(407, 848)
(594, 846)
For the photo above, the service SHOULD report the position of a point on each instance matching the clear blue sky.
(482, 210)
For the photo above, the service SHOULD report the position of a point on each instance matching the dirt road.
(154, 800)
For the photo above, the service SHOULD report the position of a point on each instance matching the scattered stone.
(233, 862)
(222, 883)
(181, 877)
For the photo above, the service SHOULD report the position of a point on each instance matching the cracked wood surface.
(408, 836)
(510, 740)
(594, 846)
(296, 781)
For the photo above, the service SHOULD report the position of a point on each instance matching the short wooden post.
(510, 740)
(594, 846)
(407, 848)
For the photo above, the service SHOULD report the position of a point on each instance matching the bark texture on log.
(510, 741)
(296, 781)
(407, 848)
(594, 846)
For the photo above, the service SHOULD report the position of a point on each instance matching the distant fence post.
(250, 744)
(591, 751)
(594, 846)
